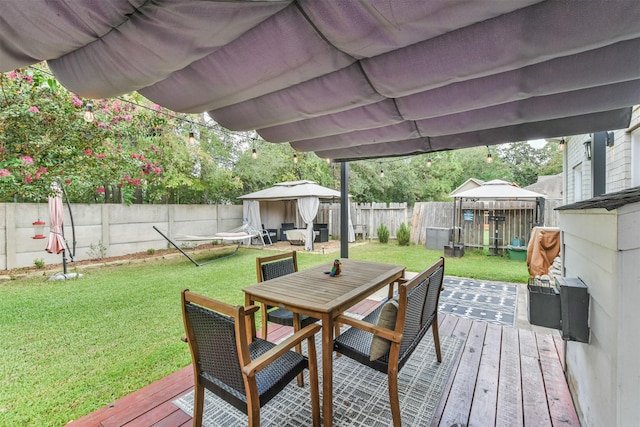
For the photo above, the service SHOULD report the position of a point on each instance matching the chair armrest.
(267, 358)
(385, 333)
(250, 309)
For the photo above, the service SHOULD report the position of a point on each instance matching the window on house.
(577, 183)
(635, 158)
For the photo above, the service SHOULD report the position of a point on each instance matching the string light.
(88, 113)
(328, 161)
(254, 154)
(489, 158)
(295, 158)
(192, 138)
(429, 162)
(381, 173)
(562, 142)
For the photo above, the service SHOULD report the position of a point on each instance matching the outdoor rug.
(360, 394)
(492, 302)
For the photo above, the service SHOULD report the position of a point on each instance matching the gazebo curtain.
(308, 208)
(251, 213)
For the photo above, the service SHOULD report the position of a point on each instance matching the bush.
(151, 251)
(38, 262)
(97, 251)
(383, 234)
(403, 235)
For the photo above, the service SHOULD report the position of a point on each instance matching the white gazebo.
(295, 201)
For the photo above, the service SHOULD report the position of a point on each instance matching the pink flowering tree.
(122, 155)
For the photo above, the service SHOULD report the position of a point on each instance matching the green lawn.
(71, 347)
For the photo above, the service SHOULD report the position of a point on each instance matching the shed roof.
(609, 201)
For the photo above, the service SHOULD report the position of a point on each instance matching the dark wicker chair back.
(268, 268)
(271, 270)
(216, 351)
(219, 342)
(417, 302)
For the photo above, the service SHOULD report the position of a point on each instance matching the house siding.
(602, 248)
(618, 162)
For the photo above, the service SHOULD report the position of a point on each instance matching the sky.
(537, 143)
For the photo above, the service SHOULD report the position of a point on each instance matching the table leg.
(327, 370)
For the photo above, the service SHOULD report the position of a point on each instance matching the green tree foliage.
(527, 162)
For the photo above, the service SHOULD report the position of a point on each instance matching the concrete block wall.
(120, 229)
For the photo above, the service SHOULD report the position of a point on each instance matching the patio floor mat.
(360, 394)
(493, 302)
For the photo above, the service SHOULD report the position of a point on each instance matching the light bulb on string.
(192, 138)
(429, 162)
(254, 154)
(295, 158)
(562, 142)
(489, 157)
(381, 173)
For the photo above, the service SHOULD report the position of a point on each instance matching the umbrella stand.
(72, 253)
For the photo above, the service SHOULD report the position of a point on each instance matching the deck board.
(485, 384)
(458, 406)
(485, 397)
(509, 407)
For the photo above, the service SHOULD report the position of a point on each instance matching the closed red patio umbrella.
(56, 214)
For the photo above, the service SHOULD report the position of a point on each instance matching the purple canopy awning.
(350, 79)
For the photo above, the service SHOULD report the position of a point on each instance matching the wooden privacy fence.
(496, 224)
(367, 215)
(518, 219)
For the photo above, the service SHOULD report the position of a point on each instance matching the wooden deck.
(502, 377)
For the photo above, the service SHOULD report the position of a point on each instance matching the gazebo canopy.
(293, 190)
(498, 189)
(307, 195)
(349, 79)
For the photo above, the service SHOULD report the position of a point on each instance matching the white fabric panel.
(182, 30)
(535, 109)
(369, 116)
(588, 123)
(610, 64)
(400, 131)
(538, 33)
(251, 213)
(251, 66)
(31, 33)
(308, 209)
(367, 28)
(334, 92)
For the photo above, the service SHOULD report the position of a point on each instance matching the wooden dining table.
(315, 293)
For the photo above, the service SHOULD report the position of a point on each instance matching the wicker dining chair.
(385, 339)
(245, 374)
(270, 267)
